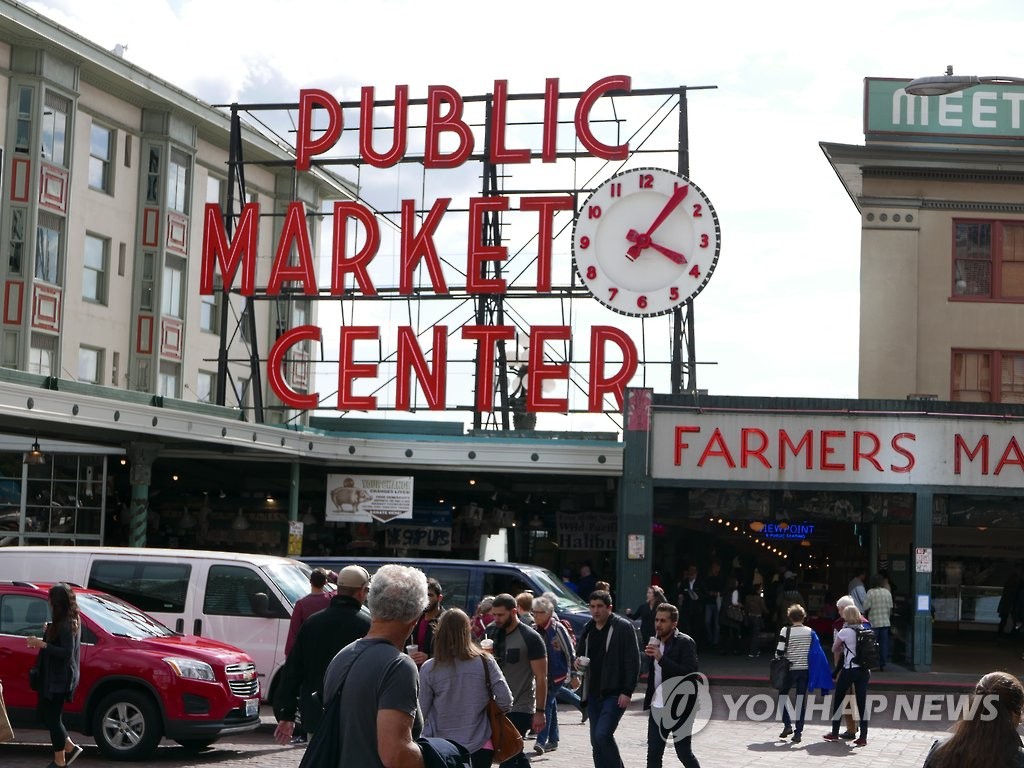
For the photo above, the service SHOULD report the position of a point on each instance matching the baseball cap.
(353, 576)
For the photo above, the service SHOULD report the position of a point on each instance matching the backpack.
(866, 654)
(568, 628)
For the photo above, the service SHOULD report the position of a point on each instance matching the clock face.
(645, 241)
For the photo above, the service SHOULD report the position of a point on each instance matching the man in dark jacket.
(608, 650)
(674, 655)
(320, 637)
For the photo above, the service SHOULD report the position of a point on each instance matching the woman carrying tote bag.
(453, 688)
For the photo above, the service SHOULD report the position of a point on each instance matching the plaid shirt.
(878, 606)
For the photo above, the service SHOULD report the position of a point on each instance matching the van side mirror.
(260, 603)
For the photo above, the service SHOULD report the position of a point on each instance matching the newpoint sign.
(826, 448)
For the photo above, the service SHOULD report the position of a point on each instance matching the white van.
(241, 599)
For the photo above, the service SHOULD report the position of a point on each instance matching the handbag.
(6, 732)
(735, 612)
(35, 674)
(778, 668)
(505, 737)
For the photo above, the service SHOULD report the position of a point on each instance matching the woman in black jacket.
(645, 611)
(58, 670)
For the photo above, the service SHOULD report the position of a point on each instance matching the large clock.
(646, 241)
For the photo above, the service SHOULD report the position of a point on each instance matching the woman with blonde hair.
(986, 735)
(453, 688)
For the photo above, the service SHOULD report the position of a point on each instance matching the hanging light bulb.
(240, 523)
(34, 455)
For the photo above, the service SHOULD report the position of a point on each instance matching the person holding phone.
(58, 666)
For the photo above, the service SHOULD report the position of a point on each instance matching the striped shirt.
(799, 647)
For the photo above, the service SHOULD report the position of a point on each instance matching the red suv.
(140, 682)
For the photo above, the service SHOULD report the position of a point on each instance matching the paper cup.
(584, 661)
(653, 640)
(487, 644)
(411, 649)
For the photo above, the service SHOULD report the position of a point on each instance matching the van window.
(148, 585)
(23, 615)
(230, 590)
(454, 586)
(496, 582)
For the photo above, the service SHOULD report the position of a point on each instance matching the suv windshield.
(118, 618)
(567, 600)
(291, 579)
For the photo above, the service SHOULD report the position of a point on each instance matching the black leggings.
(50, 709)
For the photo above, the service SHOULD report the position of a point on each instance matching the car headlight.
(191, 668)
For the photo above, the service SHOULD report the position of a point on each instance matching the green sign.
(984, 111)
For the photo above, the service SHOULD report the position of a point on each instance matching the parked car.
(140, 681)
(465, 582)
(242, 599)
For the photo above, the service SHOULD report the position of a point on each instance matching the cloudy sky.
(780, 316)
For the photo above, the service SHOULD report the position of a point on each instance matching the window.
(17, 255)
(94, 269)
(23, 615)
(170, 373)
(178, 176)
(215, 190)
(155, 586)
(42, 354)
(101, 152)
(153, 176)
(148, 276)
(172, 300)
(231, 591)
(49, 244)
(55, 129)
(208, 312)
(23, 130)
(90, 365)
(988, 376)
(205, 386)
(988, 260)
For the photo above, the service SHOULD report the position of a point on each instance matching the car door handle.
(197, 627)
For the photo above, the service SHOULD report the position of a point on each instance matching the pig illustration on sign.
(348, 497)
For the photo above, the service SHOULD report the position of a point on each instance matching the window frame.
(996, 387)
(98, 352)
(106, 164)
(43, 224)
(100, 272)
(995, 261)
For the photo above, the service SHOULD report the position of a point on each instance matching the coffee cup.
(487, 644)
(583, 661)
(411, 649)
(653, 640)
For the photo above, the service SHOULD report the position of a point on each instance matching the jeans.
(711, 627)
(605, 714)
(656, 747)
(857, 678)
(549, 734)
(882, 633)
(797, 680)
(567, 695)
(522, 721)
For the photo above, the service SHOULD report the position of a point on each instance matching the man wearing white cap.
(320, 637)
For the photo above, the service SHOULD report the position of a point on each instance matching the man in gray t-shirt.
(380, 713)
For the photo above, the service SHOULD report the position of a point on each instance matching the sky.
(780, 315)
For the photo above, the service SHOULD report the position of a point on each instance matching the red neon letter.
(1012, 455)
(586, 136)
(717, 447)
(906, 453)
(805, 444)
(438, 124)
(827, 450)
(477, 253)
(275, 365)
(293, 231)
(305, 145)
(243, 249)
(348, 370)
(747, 451)
(357, 264)
(680, 445)
(549, 148)
(616, 383)
(537, 370)
(546, 207)
(486, 336)
(499, 117)
(858, 452)
(961, 447)
(411, 356)
(417, 245)
(399, 123)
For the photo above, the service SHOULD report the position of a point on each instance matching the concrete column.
(636, 501)
(293, 492)
(921, 583)
(141, 456)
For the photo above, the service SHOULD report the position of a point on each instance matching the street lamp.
(950, 83)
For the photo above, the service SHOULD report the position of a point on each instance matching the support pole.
(142, 456)
(922, 561)
(636, 501)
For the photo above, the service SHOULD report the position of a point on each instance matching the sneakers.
(551, 747)
(860, 743)
(848, 735)
(785, 732)
(797, 739)
(298, 740)
(831, 737)
(71, 755)
(538, 749)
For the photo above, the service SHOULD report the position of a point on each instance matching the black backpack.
(867, 654)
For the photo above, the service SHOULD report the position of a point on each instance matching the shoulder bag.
(324, 749)
(506, 738)
(6, 732)
(778, 668)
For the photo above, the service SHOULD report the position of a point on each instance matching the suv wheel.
(127, 725)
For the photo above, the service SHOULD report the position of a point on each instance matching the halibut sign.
(448, 143)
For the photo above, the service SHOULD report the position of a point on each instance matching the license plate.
(252, 707)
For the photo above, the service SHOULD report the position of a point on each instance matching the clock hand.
(676, 199)
(643, 241)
